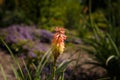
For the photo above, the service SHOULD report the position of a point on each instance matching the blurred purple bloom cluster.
(28, 37)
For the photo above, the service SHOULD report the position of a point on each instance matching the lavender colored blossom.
(29, 38)
(31, 54)
(46, 36)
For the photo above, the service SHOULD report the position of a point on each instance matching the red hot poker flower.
(58, 42)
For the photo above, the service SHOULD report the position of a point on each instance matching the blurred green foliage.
(46, 13)
(104, 42)
(106, 52)
(72, 14)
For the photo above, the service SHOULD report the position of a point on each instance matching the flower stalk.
(57, 46)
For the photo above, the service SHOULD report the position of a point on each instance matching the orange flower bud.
(58, 42)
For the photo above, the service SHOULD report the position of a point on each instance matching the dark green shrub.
(106, 52)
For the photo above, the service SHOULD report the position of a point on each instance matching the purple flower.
(27, 37)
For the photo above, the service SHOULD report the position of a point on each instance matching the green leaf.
(114, 45)
(43, 61)
(109, 59)
(3, 73)
(15, 72)
(13, 57)
(61, 77)
(60, 69)
(28, 71)
(63, 66)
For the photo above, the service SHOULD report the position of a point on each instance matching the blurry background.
(25, 26)
(72, 14)
(49, 13)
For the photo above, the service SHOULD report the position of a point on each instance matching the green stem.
(54, 69)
